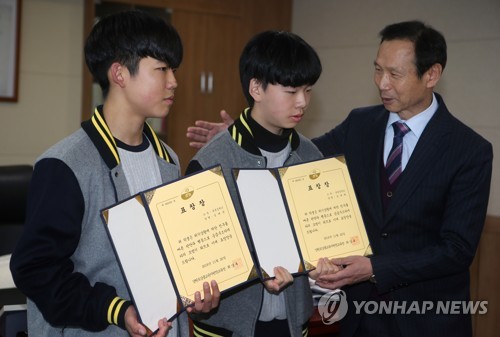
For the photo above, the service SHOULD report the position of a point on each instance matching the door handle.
(210, 83)
(202, 82)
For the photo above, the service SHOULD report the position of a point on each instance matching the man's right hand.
(324, 267)
(203, 131)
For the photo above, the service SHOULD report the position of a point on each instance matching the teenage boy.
(277, 72)
(64, 262)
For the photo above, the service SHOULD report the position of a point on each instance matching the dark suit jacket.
(425, 242)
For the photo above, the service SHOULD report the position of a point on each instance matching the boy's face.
(279, 107)
(150, 91)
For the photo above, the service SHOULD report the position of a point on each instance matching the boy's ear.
(116, 74)
(255, 89)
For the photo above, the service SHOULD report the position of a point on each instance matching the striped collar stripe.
(159, 148)
(243, 119)
(243, 135)
(100, 134)
(234, 132)
(237, 137)
(105, 133)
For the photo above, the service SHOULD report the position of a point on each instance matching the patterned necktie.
(393, 165)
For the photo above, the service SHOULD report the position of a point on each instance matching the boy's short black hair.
(278, 57)
(127, 37)
(429, 44)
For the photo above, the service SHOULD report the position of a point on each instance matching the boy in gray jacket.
(277, 72)
(64, 263)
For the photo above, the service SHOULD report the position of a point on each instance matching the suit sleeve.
(332, 142)
(41, 264)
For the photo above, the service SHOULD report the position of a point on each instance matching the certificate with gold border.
(324, 210)
(171, 239)
(301, 213)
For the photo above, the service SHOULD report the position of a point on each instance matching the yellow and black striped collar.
(243, 135)
(100, 134)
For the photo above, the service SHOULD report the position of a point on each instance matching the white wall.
(50, 80)
(345, 34)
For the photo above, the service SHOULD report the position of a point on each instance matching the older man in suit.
(422, 179)
(424, 226)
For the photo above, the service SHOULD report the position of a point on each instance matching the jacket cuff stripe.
(117, 311)
(110, 309)
(199, 332)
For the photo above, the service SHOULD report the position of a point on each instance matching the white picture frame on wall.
(10, 15)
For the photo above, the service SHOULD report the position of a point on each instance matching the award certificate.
(171, 239)
(324, 210)
(200, 234)
(301, 213)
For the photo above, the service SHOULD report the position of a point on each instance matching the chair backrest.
(14, 185)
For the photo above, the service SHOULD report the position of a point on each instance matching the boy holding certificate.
(277, 72)
(64, 262)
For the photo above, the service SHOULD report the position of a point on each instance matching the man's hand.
(211, 298)
(136, 329)
(203, 131)
(324, 267)
(282, 278)
(354, 269)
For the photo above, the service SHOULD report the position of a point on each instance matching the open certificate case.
(301, 213)
(171, 239)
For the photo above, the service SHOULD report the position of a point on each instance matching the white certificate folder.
(142, 264)
(268, 222)
(301, 213)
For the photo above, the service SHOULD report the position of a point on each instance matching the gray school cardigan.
(239, 311)
(92, 171)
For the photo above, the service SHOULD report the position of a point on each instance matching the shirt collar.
(418, 122)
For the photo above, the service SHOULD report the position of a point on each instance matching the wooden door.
(188, 98)
(208, 79)
(225, 45)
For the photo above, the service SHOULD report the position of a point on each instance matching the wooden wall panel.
(485, 279)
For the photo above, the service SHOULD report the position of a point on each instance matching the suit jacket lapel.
(429, 148)
(368, 163)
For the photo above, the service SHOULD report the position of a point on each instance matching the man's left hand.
(354, 269)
